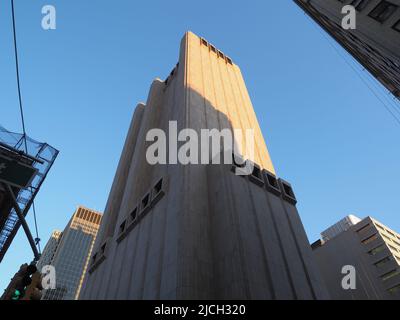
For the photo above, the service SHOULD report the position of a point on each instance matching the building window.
(390, 275)
(370, 239)
(382, 262)
(360, 4)
(363, 228)
(377, 250)
(394, 290)
(383, 11)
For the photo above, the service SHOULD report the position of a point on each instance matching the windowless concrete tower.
(199, 231)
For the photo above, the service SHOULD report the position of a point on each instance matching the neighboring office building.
(49, 250)
(70, 253)
(372, 248)
(199, 231)
(375, 43)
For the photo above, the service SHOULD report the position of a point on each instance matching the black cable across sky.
(21, 109)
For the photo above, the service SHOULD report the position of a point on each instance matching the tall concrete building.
(69, 252)
(175, 231)
(375, 43)
(371, 248)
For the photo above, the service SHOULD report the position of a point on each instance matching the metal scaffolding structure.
(16, 199)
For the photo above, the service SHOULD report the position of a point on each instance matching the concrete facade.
(375, 43)
(199, 231)
(373, 250)
(70, 253)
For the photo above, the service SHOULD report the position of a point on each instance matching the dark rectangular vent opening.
(256, 175)
(288, 190)
(257, 172)
(272, 181)
(122, 227)
(133, 214)
(145, 201)
(158, 186)
(383, 11)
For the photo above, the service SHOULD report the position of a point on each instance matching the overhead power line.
(21, 109)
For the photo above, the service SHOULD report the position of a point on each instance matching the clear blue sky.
(327, 133)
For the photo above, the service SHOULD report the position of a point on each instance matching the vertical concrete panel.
(140, 172)
(229, 272)
(152, 285)
(209, 92)
(195, 221)
(311, 269)
(291, 253)
(172, 237)
(242, 109)
(115, 198)
(127, 276)
(250, 246)
(120, 179)
(266, 161)
(220, 100)
(279, 282)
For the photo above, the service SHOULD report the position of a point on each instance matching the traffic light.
(22, 279)
(34, 289)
